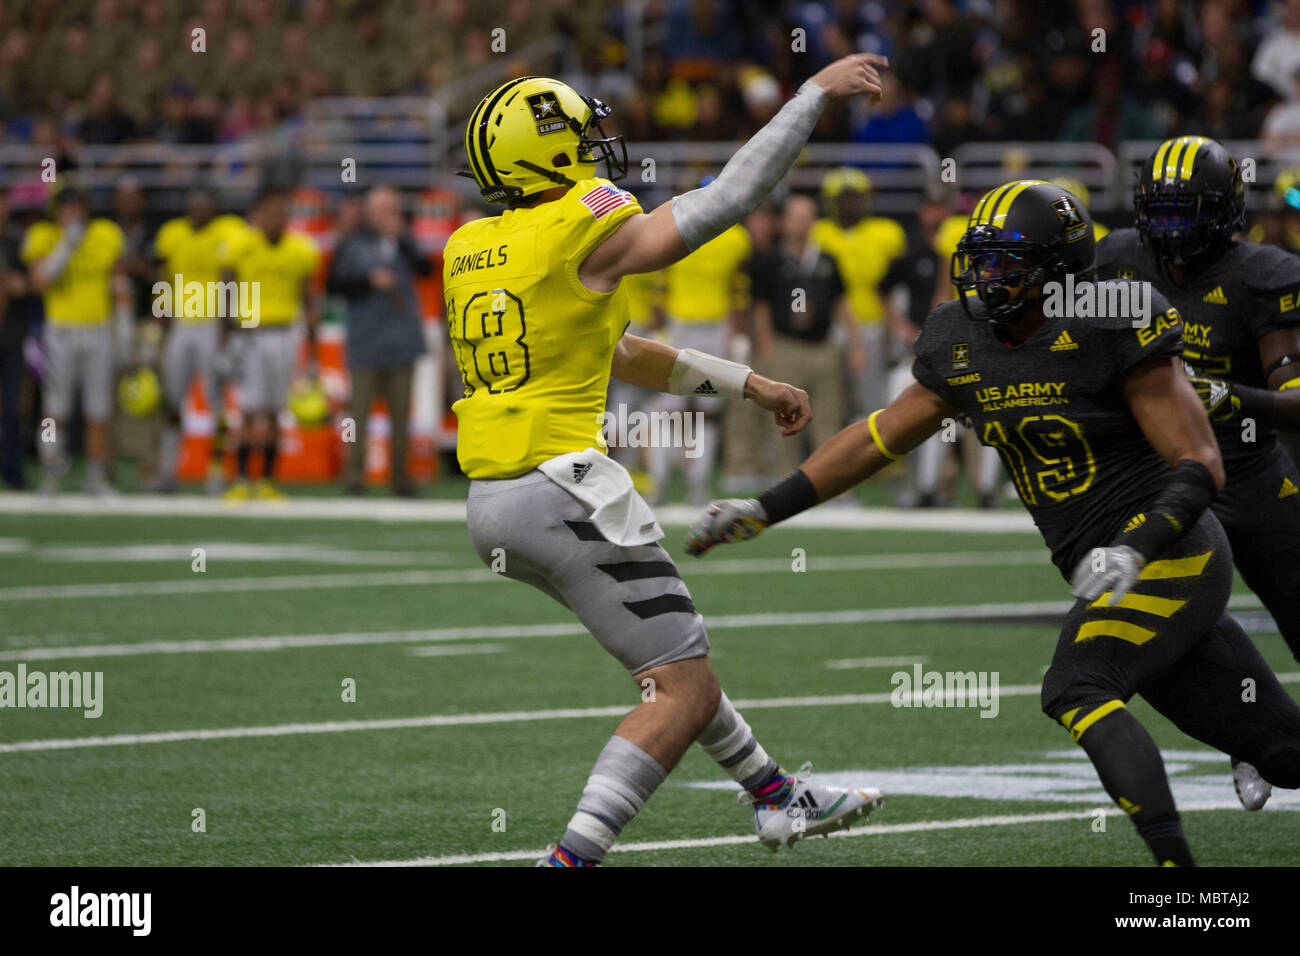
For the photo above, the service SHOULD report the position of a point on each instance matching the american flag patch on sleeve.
(606, 198)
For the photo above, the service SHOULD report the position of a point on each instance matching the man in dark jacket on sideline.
(374, 268)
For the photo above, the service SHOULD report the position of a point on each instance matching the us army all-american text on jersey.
(1054, 409)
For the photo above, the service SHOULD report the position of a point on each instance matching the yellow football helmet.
(308, 402)
(531, 134)
(845, 178)
(139, 393)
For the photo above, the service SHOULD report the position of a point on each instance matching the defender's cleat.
(811, 809)
(1252, 790)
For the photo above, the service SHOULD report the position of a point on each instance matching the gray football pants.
(631, 599)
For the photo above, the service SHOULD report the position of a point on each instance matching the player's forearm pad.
(698, 373)
(1185, 498)
(751, 174)
(793, 494)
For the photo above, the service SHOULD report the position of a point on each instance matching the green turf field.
(480, 706)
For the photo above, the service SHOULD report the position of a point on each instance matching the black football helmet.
(1020, 236)
(1189, 200)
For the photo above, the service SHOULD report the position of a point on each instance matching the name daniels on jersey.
(995, 397)
(483, 259)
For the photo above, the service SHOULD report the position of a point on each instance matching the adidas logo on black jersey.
(705, 388)
(580, 472)
(1216, 296)
(1064, 343)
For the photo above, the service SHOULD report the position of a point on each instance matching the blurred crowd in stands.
(115, 71)
(76, 72)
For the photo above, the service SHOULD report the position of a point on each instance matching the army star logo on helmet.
(1071, 222)
(545, 106)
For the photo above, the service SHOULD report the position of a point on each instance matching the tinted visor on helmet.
(997, 266)
(1181, 226)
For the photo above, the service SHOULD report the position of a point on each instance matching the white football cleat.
(1252, 790)
(812, 809)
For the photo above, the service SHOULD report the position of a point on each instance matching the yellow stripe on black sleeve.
(1147, 603)
(1176, 567)
(1093, 716)
(1133, 633)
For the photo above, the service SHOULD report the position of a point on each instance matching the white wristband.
(698, 373)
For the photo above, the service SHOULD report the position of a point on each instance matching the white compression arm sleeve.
(752, 173)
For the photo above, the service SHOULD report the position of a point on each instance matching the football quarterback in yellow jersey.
(537, 320)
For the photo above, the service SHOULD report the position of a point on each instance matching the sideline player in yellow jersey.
(74, 261)
(644, 290)
(864, 247)
(537, 317)
(276, 267)
(191, 249)
(699, 310)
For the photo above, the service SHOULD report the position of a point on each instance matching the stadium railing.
(403, 142)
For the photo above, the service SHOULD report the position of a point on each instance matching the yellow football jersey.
(643, 293)
(703, 286)
(945, 244)
(280, 270)
(533, 344)
(83, 294)
(864, 253)
(196, 255)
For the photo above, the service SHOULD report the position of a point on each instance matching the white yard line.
(399, 510)
(854, 663)
(448, 720)
(160, 552)
(865, 830)
(452, 650)
(792, 619)
(420, 577)
(459, 720)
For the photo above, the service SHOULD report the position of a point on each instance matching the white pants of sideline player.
(711, 338)
(79, 362)
(190, 350)
(267, 358)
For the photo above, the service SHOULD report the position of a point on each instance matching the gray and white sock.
(620, 783)
(733, 746)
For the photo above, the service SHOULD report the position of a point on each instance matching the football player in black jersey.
(1115, 459)
(1240, 305)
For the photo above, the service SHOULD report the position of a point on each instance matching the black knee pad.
(1065, 688)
